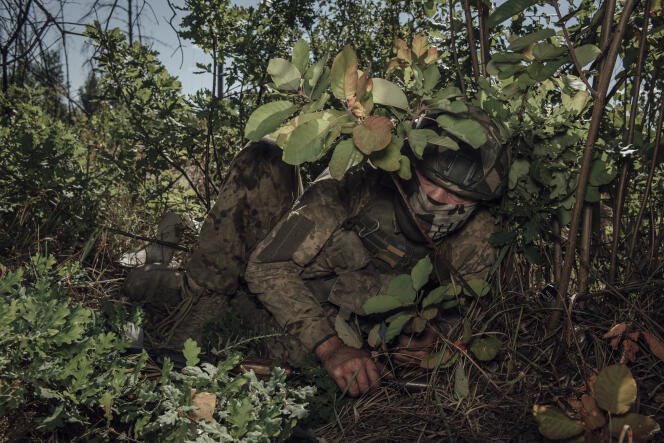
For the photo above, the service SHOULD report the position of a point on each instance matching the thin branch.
(462, 82)
(578, 66)
(472, 48)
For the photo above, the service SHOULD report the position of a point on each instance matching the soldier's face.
(440, 194)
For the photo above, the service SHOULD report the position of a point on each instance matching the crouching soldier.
(313, 258)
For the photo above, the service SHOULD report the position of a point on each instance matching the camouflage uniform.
(317, 257)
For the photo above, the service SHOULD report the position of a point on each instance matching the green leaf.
(643, 428)
(601, 173)
(267, 118)
(429, 313)
(479, 285)
(190, 352)
(389, 158)
(345, 59)
(284, 74)
(306, 142)
(485, 349)
(373, 134)
(470, 131)
(467, 332)
(344, 157)
(547, 51)
(420, 272)
(519, 169)
(456, 107)
(418, 324)
(405, 172)
(527, 40)
(445, 141)
(431, 77)
(461, 388)
(300, 56)
(615, 389)
(447, 292)
(374, 339)
(401, 288)
(507, 10)
(417, 140)
(381, 303)
(586, 54)
(346, 333)
(507, 57)
(447, 93)
(440, 359)
(397, 324)
(386, 93)
(554, 424)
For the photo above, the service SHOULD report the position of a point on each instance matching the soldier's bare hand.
(412, 349)
(349, 366)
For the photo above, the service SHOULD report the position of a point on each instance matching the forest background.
(88, 172)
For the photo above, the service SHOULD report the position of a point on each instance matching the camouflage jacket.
(322, 255)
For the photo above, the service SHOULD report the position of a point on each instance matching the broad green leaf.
(519, 169)
(300, 56)
(429, 313)
(389, 158)
(527, 40)
(601, 173)
(577, 102)
(381, 303)
(467, 130)
(344, 157)
(373, 134)
(479, 285)
(615, 389)
(643, 428)
(405, 172)
(284, 74)
(340, 65)
(507, 10)
(420, 272)
(190, 352)
(401, 288)
(267, 118)
(456, 107)
(554, 424)
(397, 324)
(507, 57)
(418, 324)
(447, 93)
(431, 77)
(447, 292)
(461, 388)
(346, 333)
(440, 359)
(547, 51)
(485, 349)
(389, 94)
(417, 140)
(586, 54)
(306, 142)
(443, 140)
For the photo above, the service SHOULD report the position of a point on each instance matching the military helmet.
(476, 174)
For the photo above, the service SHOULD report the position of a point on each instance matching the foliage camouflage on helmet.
(477, 173)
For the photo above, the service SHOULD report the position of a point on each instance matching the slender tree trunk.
(627, 164)
(483, 14)
(598, 111)
(472, 47)
(557, 251)
(582, 286)
(130, 21)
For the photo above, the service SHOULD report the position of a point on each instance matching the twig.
(472, 48)
(455, 56)
(579, 68)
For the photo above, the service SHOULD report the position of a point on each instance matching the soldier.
(314, 257)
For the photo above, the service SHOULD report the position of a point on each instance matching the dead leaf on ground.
(656, 346)
(592, 416)
(630, 348)
(206, 402)
(618, 330)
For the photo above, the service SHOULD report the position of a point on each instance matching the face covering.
(439, 219)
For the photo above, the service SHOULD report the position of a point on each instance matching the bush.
(67, 364)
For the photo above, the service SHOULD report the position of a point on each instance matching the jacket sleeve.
(275, 267)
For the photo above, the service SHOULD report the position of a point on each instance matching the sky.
(162, 38)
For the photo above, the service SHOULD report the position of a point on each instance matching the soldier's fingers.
(372, 373)
(362, 379)
(382, 369)
(353, 390)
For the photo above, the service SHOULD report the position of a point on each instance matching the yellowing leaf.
(284, 74)
(267, 118)
(340, 65)
(615, 389)
(420, 43)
